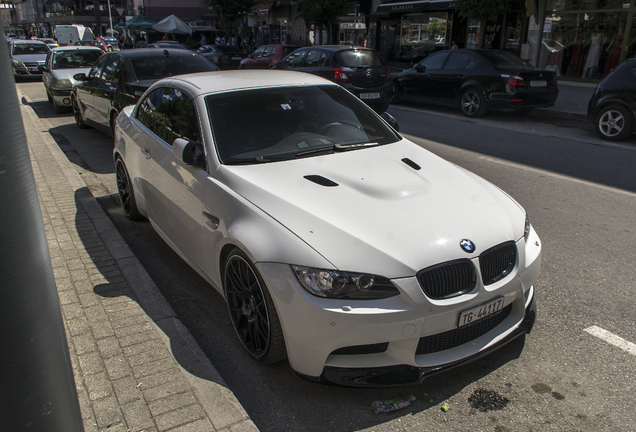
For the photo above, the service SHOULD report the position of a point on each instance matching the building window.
(424, 29)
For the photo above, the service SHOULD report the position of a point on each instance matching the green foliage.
(322, 12)
(229, 11)
(482, 10)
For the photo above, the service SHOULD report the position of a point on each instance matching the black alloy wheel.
(126, 192)
(472, 102)
(613, 123)
(252, 310)
(79, 120)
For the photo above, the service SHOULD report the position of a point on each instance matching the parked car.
(337, 243)
(109, 43)
(50, 42)
(612, 107)
(26, 57)
(62, 64)
(92, 42)
(168, 44)
(119, 78)
(224, 56)
(477, 80)
(360, 70)
(266, 56)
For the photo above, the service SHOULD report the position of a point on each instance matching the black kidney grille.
(497, 262)
(459, 336)
(448, 280)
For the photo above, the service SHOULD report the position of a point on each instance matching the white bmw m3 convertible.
(337, 243)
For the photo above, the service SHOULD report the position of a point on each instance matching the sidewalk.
(571, 103)
(136, 367)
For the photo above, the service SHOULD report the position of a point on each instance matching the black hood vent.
(412, 164)
(322, 181)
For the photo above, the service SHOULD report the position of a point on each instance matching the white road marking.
(612, 339)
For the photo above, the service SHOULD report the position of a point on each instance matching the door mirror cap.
(420, 68)
(390, 120)
(80, 77)
(190, 152)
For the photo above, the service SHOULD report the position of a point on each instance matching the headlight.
(63, 84)
(17, 63)
(344, 285)
(526, 231)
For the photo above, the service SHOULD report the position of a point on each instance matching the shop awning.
(263, 8)
(388, 7)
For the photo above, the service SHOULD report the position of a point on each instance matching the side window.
(295, 60)
(258, 52)
(170, 114)
(108, 72)
(457, 61)
(269, 51)
(97, 69)
(315, 59)
(434, 61)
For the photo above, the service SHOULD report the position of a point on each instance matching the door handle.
(212, 219)
(146, 152)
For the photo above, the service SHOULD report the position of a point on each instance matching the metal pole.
(38, 391)
(110, 18)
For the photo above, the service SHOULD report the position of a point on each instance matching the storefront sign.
(353, 26)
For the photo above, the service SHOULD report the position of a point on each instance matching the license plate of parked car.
(479, 312)
(369, 95)
(538, 83)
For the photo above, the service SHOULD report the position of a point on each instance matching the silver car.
(61, 65)
(27, 56)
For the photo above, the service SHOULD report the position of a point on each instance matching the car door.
(105, 90)
(315, 64)
(423, 83)
(293, 61)
(252, 61)
(172, 189)
(266, 59)
(86, 90)
(450, 78)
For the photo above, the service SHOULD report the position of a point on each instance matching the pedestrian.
(204, 40)
(233, 41)
(166, 37)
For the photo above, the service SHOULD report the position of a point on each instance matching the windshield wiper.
(329, 149)
(246, 161)
(343, 147)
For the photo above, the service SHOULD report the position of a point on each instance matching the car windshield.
(70, 59)
(25, 49)
(292, 122)
(153, 67)
(358, 58)
(504, 60)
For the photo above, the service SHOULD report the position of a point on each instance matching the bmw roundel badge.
(467, 245)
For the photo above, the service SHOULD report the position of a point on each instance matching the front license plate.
(369, 95)
(538, 83)
(479, 312)
(237, 58)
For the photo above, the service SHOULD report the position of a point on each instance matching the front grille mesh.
(497, 262)
(448, 280)
(459, 336)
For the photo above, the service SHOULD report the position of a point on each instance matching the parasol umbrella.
(172, 24)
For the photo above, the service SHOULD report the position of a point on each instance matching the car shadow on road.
(266, 392)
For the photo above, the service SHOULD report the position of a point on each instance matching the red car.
(266, 56)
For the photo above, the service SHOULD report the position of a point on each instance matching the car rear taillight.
(388, 76)
(513, 80)
(339, 75)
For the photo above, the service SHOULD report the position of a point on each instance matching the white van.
(69, 34)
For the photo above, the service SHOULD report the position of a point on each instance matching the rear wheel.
(613, 123)
(252, 310)
(79, 120)
(396, 94)
(472, 102)
(126, 192)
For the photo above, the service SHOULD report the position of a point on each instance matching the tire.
(79, 120)
(613, 123)
(472, 102)
(396, 95)
(252, 310)
(126, 192)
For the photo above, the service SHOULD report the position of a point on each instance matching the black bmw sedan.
(476, 80)
(612, 108)
(119, 78)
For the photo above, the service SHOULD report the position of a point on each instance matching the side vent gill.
(412, 164)
(322, 181)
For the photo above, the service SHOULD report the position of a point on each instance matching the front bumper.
(62, 97)
(26, 72)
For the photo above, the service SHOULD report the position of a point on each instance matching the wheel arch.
(606, 102)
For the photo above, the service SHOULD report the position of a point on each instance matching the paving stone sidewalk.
(136, 367)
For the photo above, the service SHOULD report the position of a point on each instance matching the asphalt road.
(580, 193)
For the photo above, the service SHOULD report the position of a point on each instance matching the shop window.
(424, 29)
(580, 5)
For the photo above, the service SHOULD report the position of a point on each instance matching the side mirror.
(80, 77)
(420, 68)
(390, 120)
(190, 152)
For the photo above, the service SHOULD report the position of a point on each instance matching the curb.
(219, 403)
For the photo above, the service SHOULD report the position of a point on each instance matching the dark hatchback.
(226, 57)
(360, 70)
(119, 78)
(612, 108)
(476, 81)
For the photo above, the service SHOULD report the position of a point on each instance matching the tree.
(229, 11)
(482, 10)
(321, 13)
